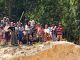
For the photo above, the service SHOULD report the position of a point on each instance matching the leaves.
(42, 11)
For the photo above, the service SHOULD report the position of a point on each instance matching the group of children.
(12, 33)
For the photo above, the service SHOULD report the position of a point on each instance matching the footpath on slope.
(59, 50)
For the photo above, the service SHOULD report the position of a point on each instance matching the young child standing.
(30, 42)
(7, 34)
(59, 32)
(47, 33)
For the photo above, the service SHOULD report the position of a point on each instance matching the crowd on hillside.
(12, 33)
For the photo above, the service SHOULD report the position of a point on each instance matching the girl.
(7, 34)
(47, 33)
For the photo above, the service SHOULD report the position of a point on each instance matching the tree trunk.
(5, 11)
(8, 8)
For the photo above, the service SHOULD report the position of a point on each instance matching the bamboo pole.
(21, 16)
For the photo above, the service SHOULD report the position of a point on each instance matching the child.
(30, 40)
(41, 34)
(47, 33)
(59, 32)
(20, 36)
(7, 33)
(35, 38)
(1, 35)
(53, 32)
(13, 39)
(24, 40)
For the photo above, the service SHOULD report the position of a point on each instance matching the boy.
(59, 32)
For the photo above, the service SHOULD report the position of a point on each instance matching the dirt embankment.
(54, 51)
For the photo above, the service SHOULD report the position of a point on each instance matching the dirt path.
(47, 51)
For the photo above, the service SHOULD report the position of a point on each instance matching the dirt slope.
(54, 51)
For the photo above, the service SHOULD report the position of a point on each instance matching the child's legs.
(19, 44)
(54, 37)
(29, 42)
(60, 37)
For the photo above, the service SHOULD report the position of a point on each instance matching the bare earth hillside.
(47, 51)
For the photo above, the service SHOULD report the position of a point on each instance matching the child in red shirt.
(59, 32)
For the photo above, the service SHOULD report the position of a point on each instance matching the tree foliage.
(46, 11)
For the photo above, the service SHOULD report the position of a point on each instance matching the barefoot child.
(59, 32)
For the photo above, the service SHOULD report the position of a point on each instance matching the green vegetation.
(51, 11)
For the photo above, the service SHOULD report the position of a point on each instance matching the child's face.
(30, 36)
(46, 26)
(59, 25)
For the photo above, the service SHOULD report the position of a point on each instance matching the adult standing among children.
(12, 32)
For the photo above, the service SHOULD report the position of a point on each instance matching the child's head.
(30, 36)
(34, 34)
(46, 26)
